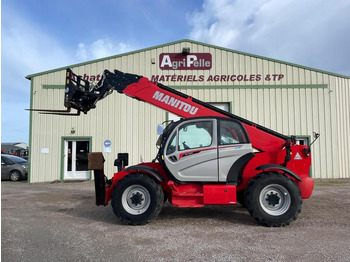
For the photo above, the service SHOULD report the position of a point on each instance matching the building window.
(304, 141)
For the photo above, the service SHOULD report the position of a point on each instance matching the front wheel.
(273, 199)
(15, 176)
(137, 199)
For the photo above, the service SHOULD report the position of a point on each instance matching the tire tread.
(255, 181)
(119, 212)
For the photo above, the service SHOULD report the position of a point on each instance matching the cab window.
(172, 145)
(231, 132)
(195, 135)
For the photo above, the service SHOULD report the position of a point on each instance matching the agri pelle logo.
(179, 61)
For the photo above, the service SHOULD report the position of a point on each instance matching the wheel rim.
(136, 199)
(14, 176)
(275, 200)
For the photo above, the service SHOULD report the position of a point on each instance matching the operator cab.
(205, 149)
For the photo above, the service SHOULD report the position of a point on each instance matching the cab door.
(233, 144)
(191, 153)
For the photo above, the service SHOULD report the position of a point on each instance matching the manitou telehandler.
(209, 157)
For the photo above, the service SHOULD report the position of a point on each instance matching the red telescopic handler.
(209, 157)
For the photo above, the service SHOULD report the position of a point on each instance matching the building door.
(76, 160)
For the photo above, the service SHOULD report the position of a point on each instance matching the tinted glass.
(70, 152)
(195, 135)
(231, 132)
(18, 160)
(82, 156)
(7, 160)
(172, 145)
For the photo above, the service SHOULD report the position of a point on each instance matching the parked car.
(13, 168)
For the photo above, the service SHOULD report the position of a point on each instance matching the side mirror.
(122, 161)
(160, 129)
(3, 164)
(316, 136)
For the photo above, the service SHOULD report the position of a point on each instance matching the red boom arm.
(186, 106)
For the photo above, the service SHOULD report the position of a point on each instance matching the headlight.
(25, 167)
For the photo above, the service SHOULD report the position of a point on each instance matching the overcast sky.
(38, 35)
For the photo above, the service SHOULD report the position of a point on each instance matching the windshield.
(165, 133)
(17, 160)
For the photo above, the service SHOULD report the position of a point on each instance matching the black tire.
(241, 198)
(15, 175)
(165, 196)
(137, 199)
(273, 199)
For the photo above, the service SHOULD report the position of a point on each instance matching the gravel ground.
(59, 222)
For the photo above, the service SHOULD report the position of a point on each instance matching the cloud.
(221, 22)
(101, 48)
(25, 50)
(28, 49)
(312, 33)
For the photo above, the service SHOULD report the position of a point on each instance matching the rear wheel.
(137, 199)
(273, 199)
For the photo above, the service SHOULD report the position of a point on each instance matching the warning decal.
(297, 156)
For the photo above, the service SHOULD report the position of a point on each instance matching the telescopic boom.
(81, 96)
